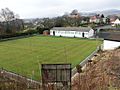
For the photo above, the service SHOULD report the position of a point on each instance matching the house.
(81, 32)
(111, 40)
(105, 20)
(98, 19)
(112, 18)
(46, 32)
(116, 22)
(95, 19)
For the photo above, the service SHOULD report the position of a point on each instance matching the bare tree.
(12, 23)
(7, 15)
(74, 12)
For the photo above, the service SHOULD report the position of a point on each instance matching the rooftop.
(87, 29)
(113, 36)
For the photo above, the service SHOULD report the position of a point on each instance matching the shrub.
(79, 68)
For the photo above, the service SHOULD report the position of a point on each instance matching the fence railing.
(74, 70)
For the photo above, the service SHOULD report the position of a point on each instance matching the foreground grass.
(24, 56)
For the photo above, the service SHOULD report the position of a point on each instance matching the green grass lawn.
(24, 55)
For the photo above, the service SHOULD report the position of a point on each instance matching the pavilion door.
(83, 34)
(53, 33)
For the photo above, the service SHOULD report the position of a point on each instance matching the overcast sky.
(50, 8)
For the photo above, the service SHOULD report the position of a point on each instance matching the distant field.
(24, 55)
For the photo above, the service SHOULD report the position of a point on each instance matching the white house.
(116, 22)
(81, 32)
(95, 19)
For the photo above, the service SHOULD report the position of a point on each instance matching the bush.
(79, 68)
(31, 31)
(118, 47)
(28, 32)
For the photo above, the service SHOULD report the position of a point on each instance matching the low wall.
(30, 83)
(110, 45)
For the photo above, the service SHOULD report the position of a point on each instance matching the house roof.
(113, 17)
(112, 36)
(83, 29)
(95, 17)
(117, 21)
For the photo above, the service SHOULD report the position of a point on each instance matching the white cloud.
(44, 8)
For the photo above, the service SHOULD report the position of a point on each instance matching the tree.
(12, 23)
(107, 20)
(7, 15)
(98, 15)
(74, 12)
(102, 16)
(86, 19)
(79, 68)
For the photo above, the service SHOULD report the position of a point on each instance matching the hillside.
(109, 12)
(102, 74)
(105, 12)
